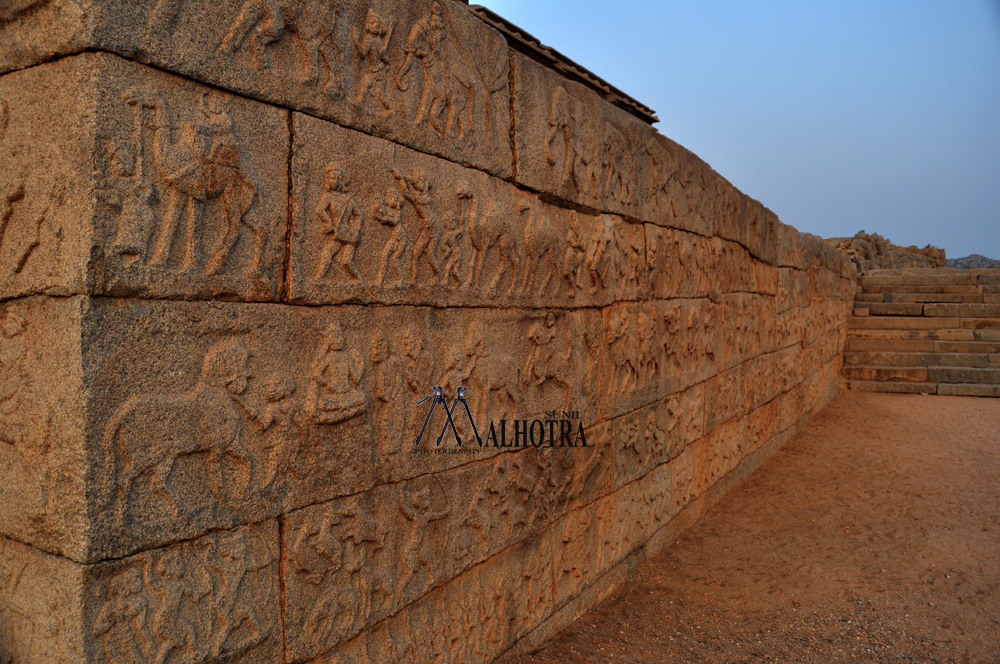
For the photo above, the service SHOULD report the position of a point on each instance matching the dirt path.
(874, 536)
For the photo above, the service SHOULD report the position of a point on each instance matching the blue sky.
(839, 116)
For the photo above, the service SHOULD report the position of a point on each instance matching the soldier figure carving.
(416, 189)
(341, 220)
(373, 46)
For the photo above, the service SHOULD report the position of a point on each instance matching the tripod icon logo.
(438, 398)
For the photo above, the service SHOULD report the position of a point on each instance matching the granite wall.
(239, 239)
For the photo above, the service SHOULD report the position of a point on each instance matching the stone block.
(256, 409)
(216, 598)
(375, 222)
(967, 390)
(890, 345)
(902, 282)
(862, 311)
(933, 298)
(966, 346)
(907, 359)
(963, 310)
(903, 323)
(964, 375)
(909, 374)
(871, 297)
(991, 298)
(426, 74)
(124, 180)
(987, 334)
(994, 362)
(646, 438)
(893, 387)
(895, 309)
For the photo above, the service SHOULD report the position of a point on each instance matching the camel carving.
(311, 24)
(487, 231)
(199, 163)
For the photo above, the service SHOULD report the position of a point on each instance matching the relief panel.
(144, 185)
(426, 74)
(426, 231)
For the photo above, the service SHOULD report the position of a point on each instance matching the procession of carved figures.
(199, 601)
(182, 191)
(372, 61)
(424, 238)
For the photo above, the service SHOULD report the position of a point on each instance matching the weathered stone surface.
(894, 387)
(270, 407)
(123, 180)
(216, 598)
(895, 308)
(967, 390)
(963, 310)
(426, 74)
(962, 375)
(426, 231)
(908, 359)
(912, 374)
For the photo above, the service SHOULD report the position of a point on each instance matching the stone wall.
(238, 240)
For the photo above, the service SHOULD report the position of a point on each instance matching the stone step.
(939, 374)
(899, 374)
(969, 390)
(937, 271)
(894, 308)
(966, 347)
(936, 299)
(928, 290)
(920, 346)
(914, 335)
(892, 386)
(958, 310)
(905, 359)
(924, 323)
(926, 279)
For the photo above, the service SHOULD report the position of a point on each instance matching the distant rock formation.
(874, 252)
(973, 262)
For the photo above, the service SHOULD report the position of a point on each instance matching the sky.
(838, 116)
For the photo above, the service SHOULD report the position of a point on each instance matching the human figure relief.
(210, 418)
(390, 213)
(341, 220)
(311, 24)
(418, 373)
(201, 164)
(541, 241)
(622, 356)
(597, 257)
(123, 619)
(388, 392)
(284, 429)
(451, 242)
(132, 196)
(617, 164)
(627, 251)
(172, 623)
(447, 83)
(647, 360)
(416, 189)
(573, 259)
(417, 507)
(546, 362)
(15, 381)
(336, 373)
(363, 539)
(373, 47)
(43, 231)
(234, 612)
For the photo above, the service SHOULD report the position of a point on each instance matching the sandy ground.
(874, 536)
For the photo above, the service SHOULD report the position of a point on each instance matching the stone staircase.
(926, 331)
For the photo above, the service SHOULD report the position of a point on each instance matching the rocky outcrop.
(874, 252)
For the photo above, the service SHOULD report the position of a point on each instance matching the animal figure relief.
(210, 418)
(373, 47)
(491, 372)
(311, 24)
(488, 231)
(541, 241)
(199, 164)
(341, 220)
(446, 80)
(546, 362)
(336, 373)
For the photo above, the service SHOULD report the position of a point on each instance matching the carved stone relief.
(427, 231)
(425, 74)
(213, 598)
